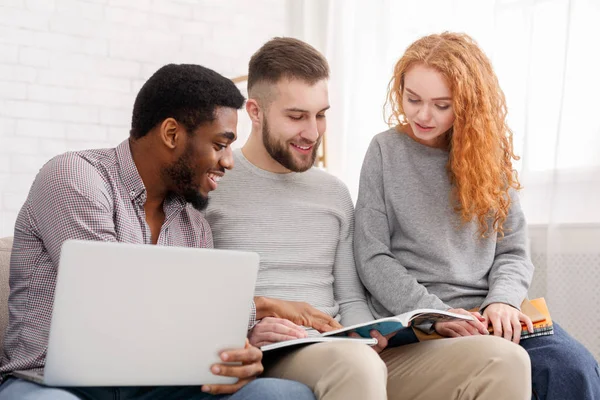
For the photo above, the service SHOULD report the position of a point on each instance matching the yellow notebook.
(540, 327)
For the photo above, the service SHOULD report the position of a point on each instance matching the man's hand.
(382, 341)
(251, 367)
(272, 330)
(506, 321)
(300, 313)
(459, 328)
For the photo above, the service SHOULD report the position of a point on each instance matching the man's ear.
(171, 133)
(254, 111)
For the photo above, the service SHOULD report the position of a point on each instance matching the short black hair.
(188, 93)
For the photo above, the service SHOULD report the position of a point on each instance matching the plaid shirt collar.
(134, 184)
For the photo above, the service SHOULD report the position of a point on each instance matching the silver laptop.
(142, 315)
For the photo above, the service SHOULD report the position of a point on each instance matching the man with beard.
(300, 220)
(150, 189)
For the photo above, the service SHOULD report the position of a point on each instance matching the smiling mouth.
(214, 178)
(303, 148)
(423, 127)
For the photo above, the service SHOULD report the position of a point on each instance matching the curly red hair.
(480, 141)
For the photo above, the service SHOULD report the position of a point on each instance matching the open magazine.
(384, 325)
(389, 325)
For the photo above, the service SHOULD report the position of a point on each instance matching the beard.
(281, 152)
(182, 176)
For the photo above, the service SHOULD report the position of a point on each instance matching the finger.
(285, 323)
(479, 327)
(472, 328)
(382, 342)
(478, 316)
(447, 332)
(270, 338)
(246, 355)
(516, 325)
(238, 371)
(440, 328)
(524, 318)
(336, 325)
(507, 327)
(447, 329)
(465, 327)
(333, 323)
(476, 323)
(225, 389)
(460, 329)
(479, 323)
(289, 329)
(321, 318)
(496, 324)
(354, 335)
(326, 326)
(321, 327)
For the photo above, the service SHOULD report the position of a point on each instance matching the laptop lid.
(143, 315)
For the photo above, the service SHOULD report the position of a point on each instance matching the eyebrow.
(294, 109)
(228, 135)
(435, 99)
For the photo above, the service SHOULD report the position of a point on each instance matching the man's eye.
(220, 146)
(295, 118)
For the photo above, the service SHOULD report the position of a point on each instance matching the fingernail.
(206, 389)
(216, 369)
(225, 356)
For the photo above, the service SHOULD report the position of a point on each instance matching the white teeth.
(214, 177)
(302, 147)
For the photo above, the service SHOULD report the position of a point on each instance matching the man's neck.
(150, 174)
(255, 152)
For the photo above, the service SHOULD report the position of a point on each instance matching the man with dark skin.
(151, 190)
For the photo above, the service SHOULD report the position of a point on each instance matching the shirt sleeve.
(70, 200)
(383, 275)
(512, 269)
(252, 320)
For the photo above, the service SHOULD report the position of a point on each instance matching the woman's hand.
(459, 328)
(506, 321)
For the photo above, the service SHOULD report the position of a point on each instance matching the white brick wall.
(70, 69)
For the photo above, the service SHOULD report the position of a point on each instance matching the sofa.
(5, 249)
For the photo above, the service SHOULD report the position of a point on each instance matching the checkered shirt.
(86, 195)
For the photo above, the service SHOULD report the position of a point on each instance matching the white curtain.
(546, 55)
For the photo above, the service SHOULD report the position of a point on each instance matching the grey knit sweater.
(411, 249)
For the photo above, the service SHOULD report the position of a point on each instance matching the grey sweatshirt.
(411, 248)
(301, 225)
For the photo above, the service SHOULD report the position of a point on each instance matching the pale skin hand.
(251, 367)
(478, 326)
(506, 321)
(300, 313)
(273, 330)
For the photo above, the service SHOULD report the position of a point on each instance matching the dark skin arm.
(300, 313)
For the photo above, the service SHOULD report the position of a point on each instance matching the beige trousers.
(477, 367)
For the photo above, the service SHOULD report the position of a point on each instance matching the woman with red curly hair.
(438, 220)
